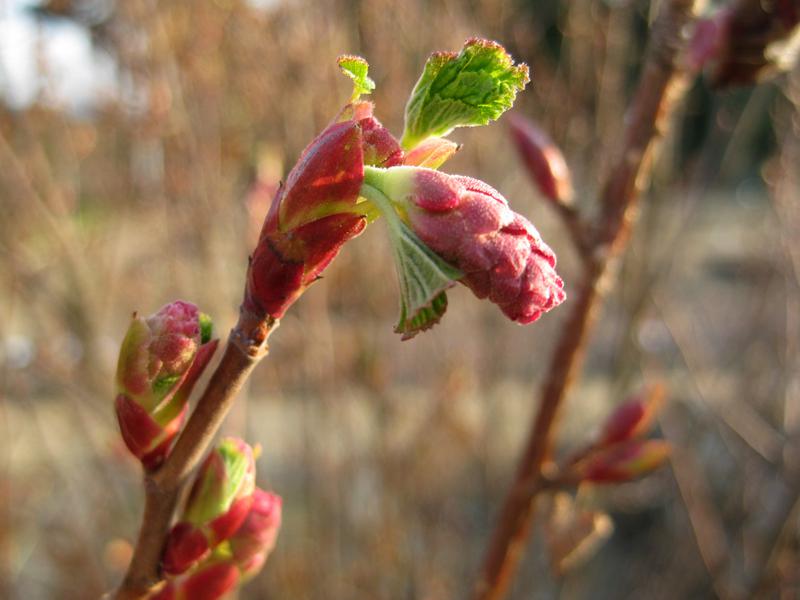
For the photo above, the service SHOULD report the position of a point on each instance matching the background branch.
(661, 84)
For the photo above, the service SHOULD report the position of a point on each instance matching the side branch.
(660, 85)
(246, 346)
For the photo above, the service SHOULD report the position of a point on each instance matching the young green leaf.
(356, 68)
(423, 276)
(470, 88)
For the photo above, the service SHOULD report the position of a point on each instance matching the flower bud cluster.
(227, 529)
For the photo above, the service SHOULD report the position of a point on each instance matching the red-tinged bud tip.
(624, 462)
(255, 539)
(633, 418)
(470, 225)
(186, 545)
(542, 158)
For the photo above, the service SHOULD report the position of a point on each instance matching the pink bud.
(470, 225)
(160, 359)
(633, 418)
(255, 539)
(624, 461)
(542, 158)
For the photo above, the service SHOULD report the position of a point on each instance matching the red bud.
(633, 418)
(624, 462)
(543, 160)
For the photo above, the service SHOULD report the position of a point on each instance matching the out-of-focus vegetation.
(392, 457)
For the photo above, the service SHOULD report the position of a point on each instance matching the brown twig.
(661, 83)
(246, 346)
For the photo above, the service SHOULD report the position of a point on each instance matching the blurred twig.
(707, 525)
(660, 85)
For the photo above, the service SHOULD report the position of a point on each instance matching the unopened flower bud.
(312, 215)
(470, 225)
(160, 360)
(542, 159)
(633, 418)
(623, 462)
(218, 504)
(253, 542)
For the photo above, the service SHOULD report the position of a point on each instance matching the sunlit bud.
(470, 225)
(312, 215)
(218, 504)
(633, 418)
(542, 159)
(623, 462)
(160, 360)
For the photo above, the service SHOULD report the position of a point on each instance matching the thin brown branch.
(246, 346)
(661, 83)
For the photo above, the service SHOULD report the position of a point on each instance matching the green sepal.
(423, 276)
(470, 88)
(356, 68)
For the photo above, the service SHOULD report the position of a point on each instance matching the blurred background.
(140, 144)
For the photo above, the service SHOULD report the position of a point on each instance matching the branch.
(247, 345)
(660, 85)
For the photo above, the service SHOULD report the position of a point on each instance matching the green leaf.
(422, 274)
(356, 68)
(470, 88)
